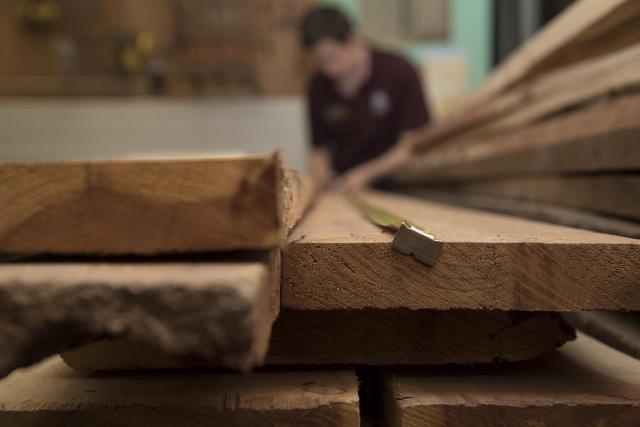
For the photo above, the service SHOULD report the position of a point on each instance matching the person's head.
(329, 36)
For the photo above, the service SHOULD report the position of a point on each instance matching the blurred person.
(364, 104)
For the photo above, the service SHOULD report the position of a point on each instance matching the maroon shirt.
(362, 127)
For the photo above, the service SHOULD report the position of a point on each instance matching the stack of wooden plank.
(556, 125)
(166, 252)
(183, 255)
(140, 269)
(346, 298)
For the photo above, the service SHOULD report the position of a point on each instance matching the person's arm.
(411, 115)
(320, 167)
(363, 175)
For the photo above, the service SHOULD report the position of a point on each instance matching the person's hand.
(320, 167)
(361, 176)
(352, 181)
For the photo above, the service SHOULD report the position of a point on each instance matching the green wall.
(471, 24)
(470, 29)
(352, 7)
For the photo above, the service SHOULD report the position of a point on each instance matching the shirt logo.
(335, 113)
(379, 102)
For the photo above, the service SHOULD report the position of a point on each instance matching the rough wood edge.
(205, 311)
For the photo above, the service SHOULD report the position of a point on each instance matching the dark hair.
(322, 23)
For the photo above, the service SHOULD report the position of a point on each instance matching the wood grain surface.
(584, 383)
(53, 394)
(336, 259)
(141, 207)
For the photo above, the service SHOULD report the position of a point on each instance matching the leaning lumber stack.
(555, 129)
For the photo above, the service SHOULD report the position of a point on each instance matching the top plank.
(142, 206)
(336, 259)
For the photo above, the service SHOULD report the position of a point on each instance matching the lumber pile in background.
(556, 124)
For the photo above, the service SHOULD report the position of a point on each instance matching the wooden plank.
(539, 211)
(413, 337)
(567, 88)
(141, 207)
(610, 194)
(601, 138)
(584, 383)
(221, 312)
(53, 394)
(336, 259)
(570, 89)
(367, 337)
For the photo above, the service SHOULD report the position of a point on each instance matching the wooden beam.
(336, 259)
(221, 312)
(367, 337)
(601, 138)
(53, 394)
(609, 194)
(584, 383)
(141, 207)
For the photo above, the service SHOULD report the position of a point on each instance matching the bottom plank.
(52, 394)
(585, 383)
(368, 337)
